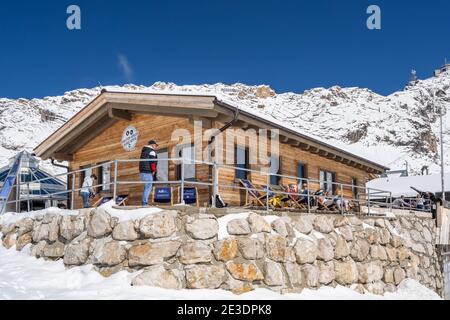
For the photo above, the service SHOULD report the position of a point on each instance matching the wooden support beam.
(206, 122)
(331, 156)
(346, 161)
(243, 125)
(284, 139)
(119, 114)
(223, 118)
(304, 146)
(168, 111)
(237, 125)
(294, 143)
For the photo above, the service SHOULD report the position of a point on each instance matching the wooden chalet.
(95, 135)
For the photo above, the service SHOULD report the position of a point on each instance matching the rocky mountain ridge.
(392, 130)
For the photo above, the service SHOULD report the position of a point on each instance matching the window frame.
(304, 176)
(274, 180)
(161, 151)
(100, 172)
(325, 182)
(246, 164)
(355, 192)
(178, 167)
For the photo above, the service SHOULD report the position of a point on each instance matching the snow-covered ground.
(120, 214)
(25, 277)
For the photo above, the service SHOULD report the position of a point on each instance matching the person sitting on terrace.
(304, 194)
(326, 201)
(400, 203)
(319, 197)
(342, 203)
(329, 202)
(420, 203)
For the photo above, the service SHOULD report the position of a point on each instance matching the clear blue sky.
(290, 45)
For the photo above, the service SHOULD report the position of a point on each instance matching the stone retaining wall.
(186, 249)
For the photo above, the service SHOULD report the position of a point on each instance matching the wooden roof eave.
(163, 110)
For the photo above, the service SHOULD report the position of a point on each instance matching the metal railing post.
(308, 196)
(18, 186)
(342, 199)
(390, 202)
(182, 182)
(28, 197)
(215, 185)
(267, 192)
(72, 200)
(116, 170)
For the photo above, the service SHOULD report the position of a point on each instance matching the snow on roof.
(402, 185)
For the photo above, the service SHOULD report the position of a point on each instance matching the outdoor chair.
(277, 198)
(190, 195)
(328, 203)
(295, 200)
(163, 195)
(252, 195)
(121, 200)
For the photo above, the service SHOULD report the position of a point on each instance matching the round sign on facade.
(129, 138)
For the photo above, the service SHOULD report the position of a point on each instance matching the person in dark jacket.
(431, 201)
(148, 169)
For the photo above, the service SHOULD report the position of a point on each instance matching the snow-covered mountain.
(388, 129)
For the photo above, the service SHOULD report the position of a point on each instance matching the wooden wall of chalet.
(106, 146)
(289, 157)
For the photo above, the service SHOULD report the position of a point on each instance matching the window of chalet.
(355, 188)
(327, 180)
(241, 161)
(163, 165)
(302, 173)
(275, 168)
(104, 177)
(186, 152)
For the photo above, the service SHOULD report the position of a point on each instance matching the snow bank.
(125, 215)
(25, 277)
(121, 214)
(367, 226)
(12, 217)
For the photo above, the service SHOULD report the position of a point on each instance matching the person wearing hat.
(147, 169)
